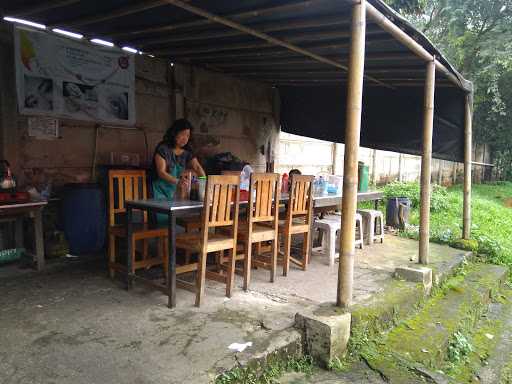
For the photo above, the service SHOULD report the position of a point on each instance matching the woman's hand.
(184, 181)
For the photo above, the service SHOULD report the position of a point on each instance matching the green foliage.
(339, 365)
(492, 222)
(269, 375)
(476, 37)
(411, 190)
(459, 348)
(466, 245)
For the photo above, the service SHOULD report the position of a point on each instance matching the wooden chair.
(262, 224)
(131, 185)
(298, 220)
(222, 198)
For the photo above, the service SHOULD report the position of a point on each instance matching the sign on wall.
(60, 77)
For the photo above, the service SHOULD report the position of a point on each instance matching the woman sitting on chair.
(172, 156)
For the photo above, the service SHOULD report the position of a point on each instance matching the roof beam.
(263, 36)
(292, 38)
(234, 16)
(306, 72)
(118, 12)
(274, 26)
(302, 38)
(270, 52)
(42, 7)
(306, 61)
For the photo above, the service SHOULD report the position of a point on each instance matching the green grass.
(270, 374)
(491, 219)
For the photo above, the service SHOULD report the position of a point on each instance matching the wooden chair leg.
(200, 278)
(275, 252)
(305, 251)
(286, 256)
(111, 254)
(247, 265)
(230, 278)
(258, 249)
(187, 257)
(219, 260)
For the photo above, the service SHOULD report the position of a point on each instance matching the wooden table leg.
(39, 238)
(129, 246)
(171, 275)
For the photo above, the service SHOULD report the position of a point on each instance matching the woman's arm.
(161, 170)
(194, 164)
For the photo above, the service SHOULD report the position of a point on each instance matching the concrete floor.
(74, 325)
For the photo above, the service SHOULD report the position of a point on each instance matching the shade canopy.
(300, 47)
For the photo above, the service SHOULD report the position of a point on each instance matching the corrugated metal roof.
(319, 26)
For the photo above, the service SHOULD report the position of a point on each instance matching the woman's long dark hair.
(176, 127)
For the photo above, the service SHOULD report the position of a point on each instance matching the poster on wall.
(60, 77)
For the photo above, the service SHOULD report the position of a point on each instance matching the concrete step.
(492, 343)
(417, 349)
(399, 300)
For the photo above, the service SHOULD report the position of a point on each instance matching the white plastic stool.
(374, 224)
(330, 226)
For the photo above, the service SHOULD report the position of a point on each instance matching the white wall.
(313, 156)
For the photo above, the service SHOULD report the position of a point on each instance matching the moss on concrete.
(465, 244)
(423, 339)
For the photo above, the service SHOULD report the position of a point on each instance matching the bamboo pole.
(426, 161)
(374, 168)
(278, 42)
(410, 43)
(299, 60)
(352, 138)
(468, 148)
(263, 27)
(274, 10)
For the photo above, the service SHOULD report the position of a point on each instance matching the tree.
(476, 36)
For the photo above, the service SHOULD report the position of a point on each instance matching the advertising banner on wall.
(61, 77)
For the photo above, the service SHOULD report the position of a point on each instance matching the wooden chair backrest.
(264, 195)
(301, 197)
(222, 199)
(235, 173)
(125, 185)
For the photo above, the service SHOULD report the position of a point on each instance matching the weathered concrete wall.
(229, 115)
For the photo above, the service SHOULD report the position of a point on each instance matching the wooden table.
(183, 208)
(16, 213)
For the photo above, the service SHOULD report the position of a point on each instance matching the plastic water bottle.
(245, 177)
(315, 186)
(321, 186)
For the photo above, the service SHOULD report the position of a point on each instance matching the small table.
(181, 208)
(16, 212)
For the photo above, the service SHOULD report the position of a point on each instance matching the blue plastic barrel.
(84, 218)
(393, 208)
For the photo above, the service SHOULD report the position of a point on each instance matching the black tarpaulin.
(392, 120)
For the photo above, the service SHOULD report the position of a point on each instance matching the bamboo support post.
(352, 137)
(468, 147)
(426, 162)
